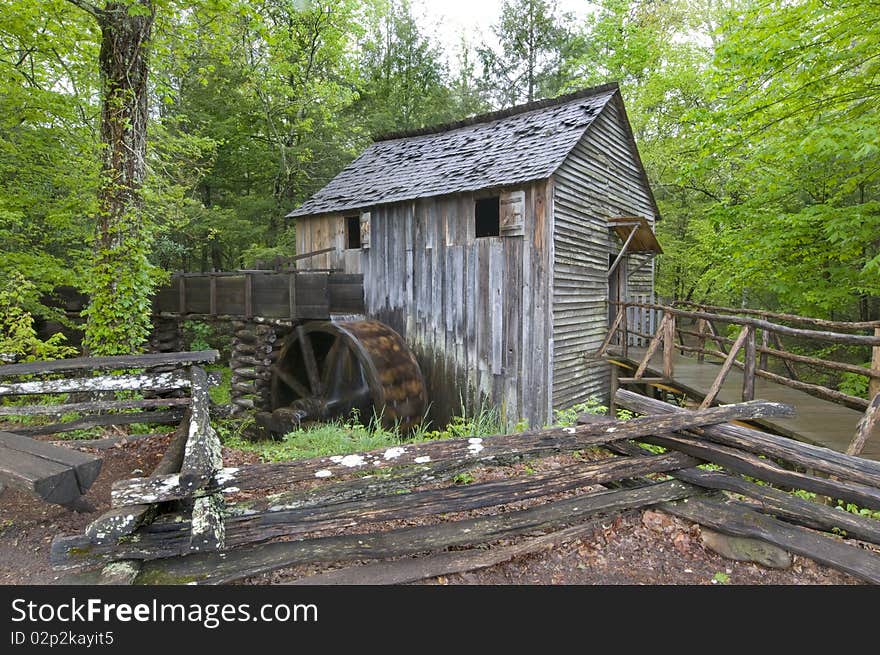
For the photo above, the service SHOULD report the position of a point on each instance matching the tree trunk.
(118, 316)
(124, 69)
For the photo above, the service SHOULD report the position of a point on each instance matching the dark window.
(352, 232)
(486, 220)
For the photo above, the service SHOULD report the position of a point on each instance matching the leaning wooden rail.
(791, 318)
(821, 335)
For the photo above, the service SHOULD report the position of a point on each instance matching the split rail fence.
(168, 387)
(181, 524)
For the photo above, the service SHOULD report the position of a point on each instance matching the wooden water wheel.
(326, 370)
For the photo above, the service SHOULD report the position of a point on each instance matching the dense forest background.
(756, 120)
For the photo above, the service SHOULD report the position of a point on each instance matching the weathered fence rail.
(194, 449)
(199, 538)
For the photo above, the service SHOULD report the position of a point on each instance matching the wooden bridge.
(689, 354)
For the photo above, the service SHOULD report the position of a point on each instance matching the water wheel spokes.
(328, 370)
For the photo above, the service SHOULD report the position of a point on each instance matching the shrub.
(18, 338)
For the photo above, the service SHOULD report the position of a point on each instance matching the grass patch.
(322, 440)
(220, 394)
(343, 437)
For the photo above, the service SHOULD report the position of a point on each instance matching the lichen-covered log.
(526, 444)
(138, 382)
(169, 537)
(817, 458)
(765, 469)
(219, 568)
(202, 457)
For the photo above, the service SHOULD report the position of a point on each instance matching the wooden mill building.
(493, 245)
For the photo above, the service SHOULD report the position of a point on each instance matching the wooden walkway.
(817, 421)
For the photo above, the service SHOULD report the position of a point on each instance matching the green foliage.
(120, 284)
(854, 384)
(720, 578)
(343, 437)
(205, 335)
(320, 440)
(485, 423)
(403, 78)
(533, 37)
(657, 450)
(852, 508)
(18, 338)
(789, 152)
(568, 417)
(221, 393)
(463, 478)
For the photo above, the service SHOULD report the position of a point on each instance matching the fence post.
(701, 330)
(612, 406)
(291, 290)
(181, 295)
(765, 344)
(212, 294)
(749, 362)
(248, 295)
(668, 345)
(874, 382)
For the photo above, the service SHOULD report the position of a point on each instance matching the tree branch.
(87, 7)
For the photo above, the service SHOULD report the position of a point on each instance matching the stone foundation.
(255, 347)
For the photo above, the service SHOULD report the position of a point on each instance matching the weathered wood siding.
(600, 179)
(320, 232)
(475, 311)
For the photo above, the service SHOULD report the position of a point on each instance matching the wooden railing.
(352, 507)
(757, 342)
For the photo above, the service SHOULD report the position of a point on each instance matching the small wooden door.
(616, 285)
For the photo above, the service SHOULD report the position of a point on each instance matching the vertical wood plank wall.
(328, 231)
(598, 180)
(476, 312)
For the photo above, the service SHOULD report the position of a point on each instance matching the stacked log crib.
(255, 348)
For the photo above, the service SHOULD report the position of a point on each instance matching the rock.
(744, 549)
(682, 542)
(658, 521)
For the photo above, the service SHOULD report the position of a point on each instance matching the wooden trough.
(174, 527)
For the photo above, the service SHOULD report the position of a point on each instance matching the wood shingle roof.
(501, 149)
